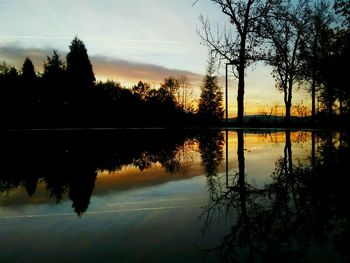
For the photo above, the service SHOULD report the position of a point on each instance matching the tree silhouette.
(311, 51)
(28, 95)
(168, 90)
(9, 88)
(284, 30)
(79, 68)
(141, 90)
(238, 44)
(81, 81)
(54, 91)
(210, 108)
(54, 67)
(28, 72)
(184, 94)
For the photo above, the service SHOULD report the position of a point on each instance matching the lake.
(174, 196)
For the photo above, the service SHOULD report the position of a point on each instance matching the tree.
(28, 72)
(28, 96)
(168, 90)
(185, 92)
(341, 53)
(210, 103)
(311, 51)
(80, 98)
(79, 68)
(54, 67)
(237, 44)
(284, 30)
(141, 90)
(9, 85)
(326, 58)
(7, 72)
(55, 90)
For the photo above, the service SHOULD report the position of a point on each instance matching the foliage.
(210, 103)
(54, 67)
(79, 68)
(141, 90)
(28, 72)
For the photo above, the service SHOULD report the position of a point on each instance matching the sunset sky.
(127, 41)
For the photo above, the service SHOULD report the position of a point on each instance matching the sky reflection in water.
(170, 199)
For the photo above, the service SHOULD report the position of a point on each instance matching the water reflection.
(211, 152)
(267, 195)
(68, 162)
(302, 215)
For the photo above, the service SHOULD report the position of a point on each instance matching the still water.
(174, 196)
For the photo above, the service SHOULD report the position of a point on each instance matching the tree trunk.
(313, 85)
(288, 101)
(289, 152)
(242, 185)
(240, 95)
(313, 96)
(240, 153)
(288, 110)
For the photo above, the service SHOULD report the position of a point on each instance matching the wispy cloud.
(133, 71)
(15, 56)
(104, 67)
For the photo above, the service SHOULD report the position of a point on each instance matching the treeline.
(325, 56)
(66, 94)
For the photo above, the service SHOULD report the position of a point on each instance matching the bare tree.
(311, 49)
(185, 94)
(284, 31)
(238, 43)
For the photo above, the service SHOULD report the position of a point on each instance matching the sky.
(127, 41)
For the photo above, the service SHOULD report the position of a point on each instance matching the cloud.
(134, 71)
(126, 72)
(15, 56)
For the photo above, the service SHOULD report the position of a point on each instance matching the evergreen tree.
(210, 102)
(54, 67)
(28, 97)
(79, 68)
(54, 91)
(28, 72)
(80, 103)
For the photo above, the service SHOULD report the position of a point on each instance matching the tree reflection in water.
(69, 161)
(304, 208)
(211, 151)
